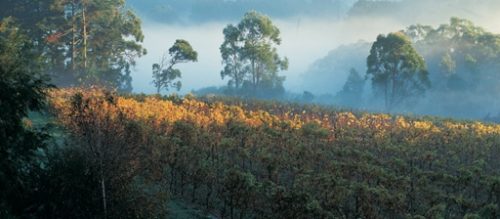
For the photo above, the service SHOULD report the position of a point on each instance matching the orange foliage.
(157, 112)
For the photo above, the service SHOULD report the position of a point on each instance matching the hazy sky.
(304, 40)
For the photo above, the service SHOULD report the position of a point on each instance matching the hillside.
(255, 159)
(461, 59)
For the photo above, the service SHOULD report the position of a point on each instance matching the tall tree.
(82, 41)
(352, 92)
(234, 64)
(102, 40)
(397, 71)
(250, 56)
(164, 73)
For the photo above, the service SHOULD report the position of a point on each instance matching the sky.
(305, 38)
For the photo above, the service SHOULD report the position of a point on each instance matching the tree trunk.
(85, 36)
(207, 198)
(254, 76)
(103, 192)
(393, 92)
(104, 201)
(73, 40)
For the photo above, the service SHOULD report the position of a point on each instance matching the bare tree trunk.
(101, 156)
(104, 201)
(236, 73)
(254, 76)
(85, 36)
(393, 92)
(73, 33)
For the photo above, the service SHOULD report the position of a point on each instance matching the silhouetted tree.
(164, 73)
(352, 92)
(397, 71)
(250, 58)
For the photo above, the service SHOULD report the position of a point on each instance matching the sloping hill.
(274, 160)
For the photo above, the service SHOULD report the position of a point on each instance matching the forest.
(404, 125)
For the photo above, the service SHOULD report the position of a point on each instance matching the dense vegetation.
(80, 42)
(98, 151)
(22, 89)
(251, 159)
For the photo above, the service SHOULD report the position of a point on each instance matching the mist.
(319, 46)
(304, 41)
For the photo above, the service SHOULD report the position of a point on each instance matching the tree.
(83, 42)
(250, 57)
(418, 32)
(448, 65)
(164, 73)
(22, 89)
(111, 144)
(397, 71)
(352, 92)
(104, 43)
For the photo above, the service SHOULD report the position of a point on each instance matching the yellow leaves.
(482, 129)
(159, 112)
(346, 119)
(424, 125)
(402, 123)
(375, 121)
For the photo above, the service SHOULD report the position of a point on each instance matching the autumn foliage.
(251, 159)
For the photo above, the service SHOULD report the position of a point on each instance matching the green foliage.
(397, 71)
(165, 74)
(22, 89)
(66, 186)
(250, 58)
(463, 62)
(102, 41)
(82, 42)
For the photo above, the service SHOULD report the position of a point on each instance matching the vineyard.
(236, 158)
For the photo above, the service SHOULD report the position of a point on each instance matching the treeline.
(90, 42)
(235, 162)
(80, 42)
(460, 58)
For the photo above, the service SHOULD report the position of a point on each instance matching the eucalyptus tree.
(398, 73)
(250, 56)
(164, 73)
(83, 42)
(102, 39)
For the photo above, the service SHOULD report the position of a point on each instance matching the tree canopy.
(397, 71)
(250, 56)
(82, 41)
(164, 73)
